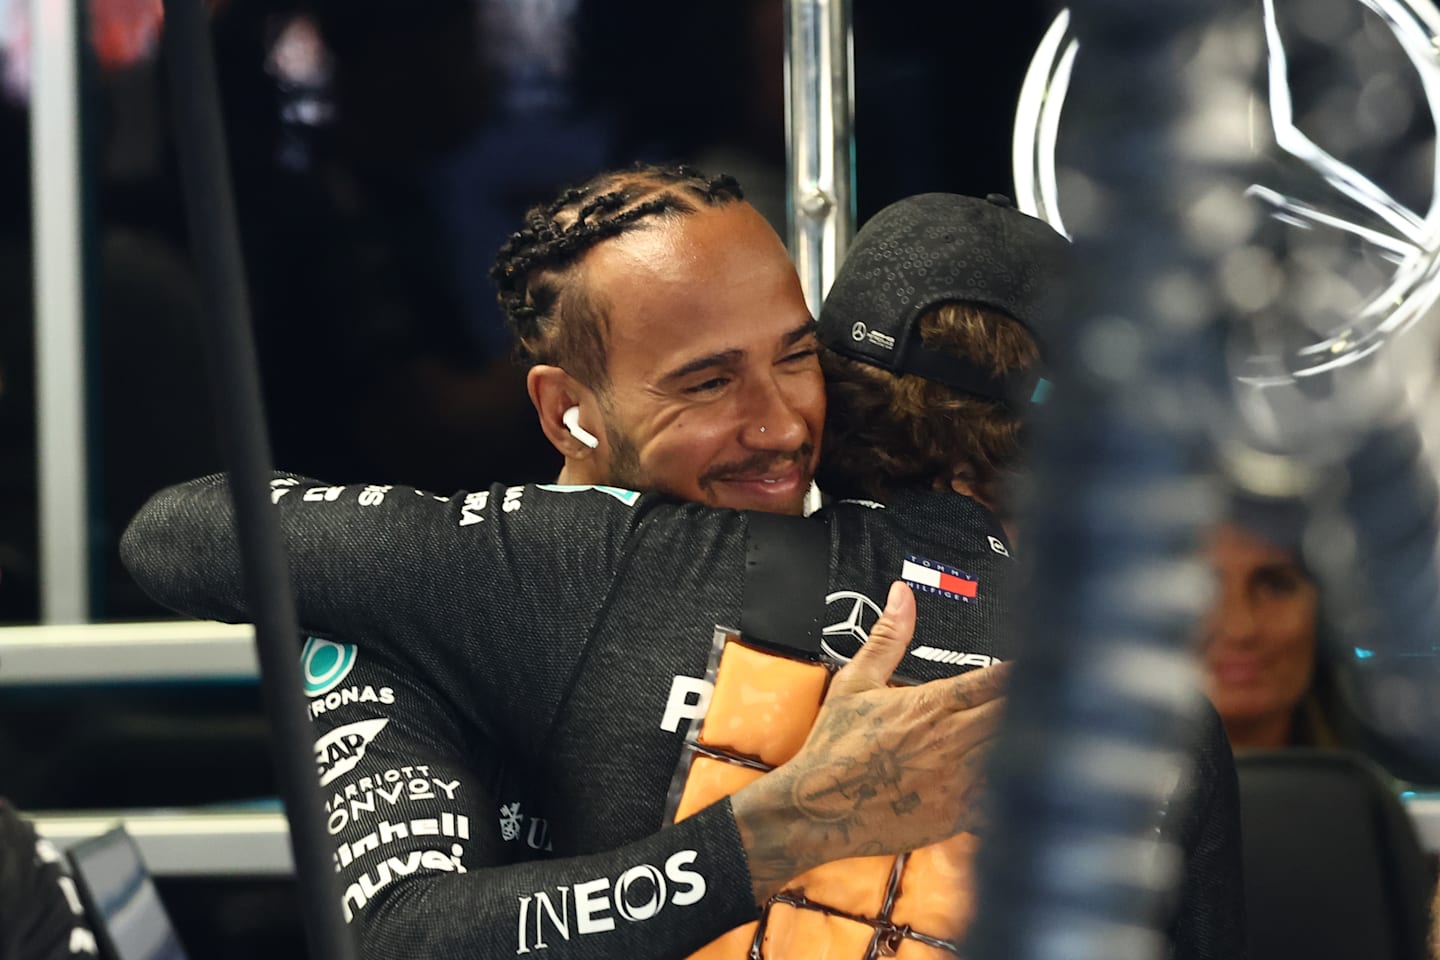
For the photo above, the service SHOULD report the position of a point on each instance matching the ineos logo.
(635, 896)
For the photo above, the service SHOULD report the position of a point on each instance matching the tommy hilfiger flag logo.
(929, 576)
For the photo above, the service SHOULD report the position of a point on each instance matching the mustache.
(803, 456)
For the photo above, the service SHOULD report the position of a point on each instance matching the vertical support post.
(819, 139)
(59, 319)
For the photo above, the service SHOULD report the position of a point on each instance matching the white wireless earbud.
(571, 419)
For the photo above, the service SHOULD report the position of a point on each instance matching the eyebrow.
(719, 359)
(723, 357)
(806, 329)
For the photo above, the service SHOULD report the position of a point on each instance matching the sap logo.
(936, 655)
(386, 833)
(627, 497)
(339, 698)
(689, 699)
(341, 749)
(636, 895)
(324, 665)
(358, 894)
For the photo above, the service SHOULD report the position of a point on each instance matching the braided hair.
(551, 318)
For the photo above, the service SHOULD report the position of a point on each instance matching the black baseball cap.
(934, 248)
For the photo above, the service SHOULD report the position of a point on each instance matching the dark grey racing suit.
(511, 675)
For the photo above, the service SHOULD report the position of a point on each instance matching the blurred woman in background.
(1259, 645)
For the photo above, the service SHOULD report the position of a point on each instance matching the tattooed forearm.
(885, 770)
(832, 800)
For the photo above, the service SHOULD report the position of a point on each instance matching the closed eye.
(800, 355)
(714, 383)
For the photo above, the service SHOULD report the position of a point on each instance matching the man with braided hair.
(665, 308)
(531, 684)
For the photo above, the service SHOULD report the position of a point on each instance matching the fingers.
(974, 726)
(881, 653)
(973, 814)
(978, 686)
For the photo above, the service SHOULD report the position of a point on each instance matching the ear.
(553, 391)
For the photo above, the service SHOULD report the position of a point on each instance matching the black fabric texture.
(526, 658)
(39, 918)
(785, 583)
(1206, 828)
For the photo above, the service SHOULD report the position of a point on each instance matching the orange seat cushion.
(711, 780)
(763, 705)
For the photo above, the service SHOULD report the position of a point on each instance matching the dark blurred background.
(381, 152)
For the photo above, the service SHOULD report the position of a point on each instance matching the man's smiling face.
(713, 390)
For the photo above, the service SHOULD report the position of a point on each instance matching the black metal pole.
(230, 356)
(1103, 698)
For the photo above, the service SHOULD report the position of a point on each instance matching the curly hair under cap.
(885, 432)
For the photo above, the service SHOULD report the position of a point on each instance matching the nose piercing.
(762, 429)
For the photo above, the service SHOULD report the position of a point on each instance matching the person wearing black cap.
(933, 332)
(523, 667)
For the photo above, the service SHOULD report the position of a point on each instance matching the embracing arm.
(440, 581)
(865, 782)
(433, 858)
(884, 770)
(359, 555)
